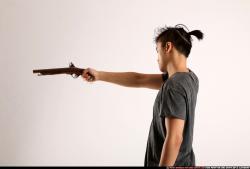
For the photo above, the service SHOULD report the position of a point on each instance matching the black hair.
(178, 36)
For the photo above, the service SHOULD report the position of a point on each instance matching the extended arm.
(127, 79)
(133, 79)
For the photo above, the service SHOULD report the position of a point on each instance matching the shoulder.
(174, 84)
(181, 82)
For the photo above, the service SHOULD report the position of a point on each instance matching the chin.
(161, 69)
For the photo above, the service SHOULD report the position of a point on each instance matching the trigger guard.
(74, 76)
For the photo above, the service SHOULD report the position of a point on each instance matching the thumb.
(86, 72)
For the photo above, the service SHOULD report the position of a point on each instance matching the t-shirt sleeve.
(173, 104)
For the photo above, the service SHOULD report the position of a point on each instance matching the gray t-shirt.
(176, 98)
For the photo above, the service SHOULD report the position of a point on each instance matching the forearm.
(170, 150)
(128, 79)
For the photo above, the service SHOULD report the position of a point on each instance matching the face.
(163, 56)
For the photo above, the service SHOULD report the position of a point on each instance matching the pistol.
(75, 72)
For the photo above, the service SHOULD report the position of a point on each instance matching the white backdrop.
(58, 120)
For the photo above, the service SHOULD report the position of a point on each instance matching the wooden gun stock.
(71, 70)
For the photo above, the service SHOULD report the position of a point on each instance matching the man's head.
(174, 43)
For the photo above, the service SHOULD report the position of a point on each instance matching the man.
(171, 131)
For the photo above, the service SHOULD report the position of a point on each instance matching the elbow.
(139, 80)
(176, 140)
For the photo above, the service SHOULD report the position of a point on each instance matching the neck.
(178, 64)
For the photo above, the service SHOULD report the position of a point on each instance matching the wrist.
(99, 75)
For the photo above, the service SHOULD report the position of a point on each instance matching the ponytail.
(197, 33)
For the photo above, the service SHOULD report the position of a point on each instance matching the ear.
(168, 47)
